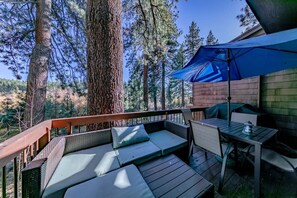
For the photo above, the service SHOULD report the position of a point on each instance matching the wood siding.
(278, 97)
(208, 94)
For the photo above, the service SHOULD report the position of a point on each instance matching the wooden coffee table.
(171, 177)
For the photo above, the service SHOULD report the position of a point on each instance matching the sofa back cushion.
(86, 140)
(154, 126)
(124, 136)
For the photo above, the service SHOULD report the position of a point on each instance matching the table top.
(234, 131)
(170, 177)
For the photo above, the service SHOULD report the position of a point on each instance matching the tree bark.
(104, 58)
(38, 71)
(163, 86)
(145, 82)
(154, 87)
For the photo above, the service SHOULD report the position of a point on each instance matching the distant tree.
(247, 18)
(38, 69)
(7, 116)
(147, 36)
(10, 86)
(12, 110)
(176, 87)
(104, 58)
(211, 39)
(192, 41)
(68, 39)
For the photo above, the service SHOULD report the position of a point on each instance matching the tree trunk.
(183, 93)
(145, 82)
(104, 58)
(154, 87)
(39, 61)
(163, 86)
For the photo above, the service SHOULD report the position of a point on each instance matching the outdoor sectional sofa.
(89, 159)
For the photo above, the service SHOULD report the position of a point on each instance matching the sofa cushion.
(137, 153)
(167, 141)
(80, 166)
(124, 136)
(124, 182)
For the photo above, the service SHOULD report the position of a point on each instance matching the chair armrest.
(37, 174)
(86, 140)
(178, 129)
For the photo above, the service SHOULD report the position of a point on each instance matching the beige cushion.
(137, 153)
(124, 136)
(124, 182)
(80, 166)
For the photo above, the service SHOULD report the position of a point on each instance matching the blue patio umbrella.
(242, 59)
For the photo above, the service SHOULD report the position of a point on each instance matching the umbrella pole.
(229, 94)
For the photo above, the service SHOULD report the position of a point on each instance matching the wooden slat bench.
(171, 177)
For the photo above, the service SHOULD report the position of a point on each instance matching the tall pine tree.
(192, 41)
(147, 36)
(211, 39)
(104, 58)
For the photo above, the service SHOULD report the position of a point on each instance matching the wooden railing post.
(4, 182)
(25, 157)
(44, 140)
(69, 128)
(16, 179)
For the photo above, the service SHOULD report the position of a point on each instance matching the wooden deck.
(239, 183)
(170, 177)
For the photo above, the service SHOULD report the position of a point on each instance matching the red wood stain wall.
(208, 94)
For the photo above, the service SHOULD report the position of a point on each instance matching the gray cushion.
(137, 153)
(124, 136)
(167, 141)
(80, 166)
(124, 182)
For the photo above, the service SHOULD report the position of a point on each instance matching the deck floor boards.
(239, 183)
(170, 177)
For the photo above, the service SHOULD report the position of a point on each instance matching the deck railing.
(18, 151)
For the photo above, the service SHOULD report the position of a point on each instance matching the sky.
(216, 15)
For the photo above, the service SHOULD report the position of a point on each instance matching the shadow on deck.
(239, 183)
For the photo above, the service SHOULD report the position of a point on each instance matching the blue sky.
(216, 15)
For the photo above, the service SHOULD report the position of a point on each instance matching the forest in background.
(60, 102)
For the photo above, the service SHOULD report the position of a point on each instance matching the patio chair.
(187, 114)
(244, 117)
(286, 163)
(208, 138)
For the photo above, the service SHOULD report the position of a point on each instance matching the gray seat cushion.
(167, 141)
(124, 182)
(80, 166)
(137, 153)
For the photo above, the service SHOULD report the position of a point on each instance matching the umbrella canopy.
(242, 59)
